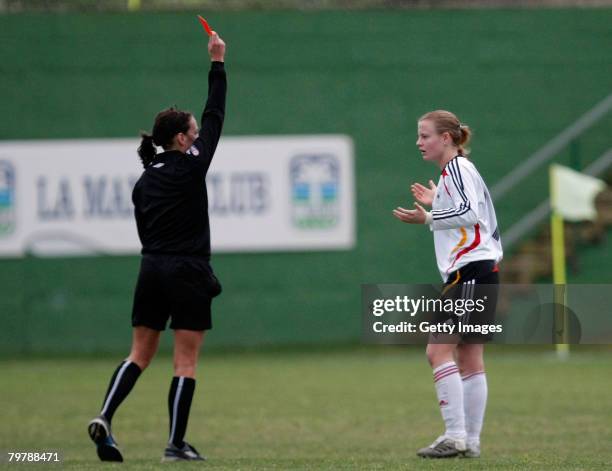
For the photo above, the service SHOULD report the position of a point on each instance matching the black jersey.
(170, 197)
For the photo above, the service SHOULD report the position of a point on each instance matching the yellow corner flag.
(573, 193)
(572, 197)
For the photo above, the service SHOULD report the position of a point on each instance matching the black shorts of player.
(177, 287)
(474, 289)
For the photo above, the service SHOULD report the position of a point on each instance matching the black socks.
(179, 403)
(121, 384)
(179, 398)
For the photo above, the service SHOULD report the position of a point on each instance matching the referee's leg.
(144, 346)
(186, 350)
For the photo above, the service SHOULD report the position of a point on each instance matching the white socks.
(450, 398)
(474, 404)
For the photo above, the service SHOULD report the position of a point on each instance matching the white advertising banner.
(265, 193)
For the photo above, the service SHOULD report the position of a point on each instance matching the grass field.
(325, 409)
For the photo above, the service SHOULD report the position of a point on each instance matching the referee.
(176, 281)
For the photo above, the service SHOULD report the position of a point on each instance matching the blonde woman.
(468, 249)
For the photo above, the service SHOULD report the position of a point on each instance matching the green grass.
(326, 409)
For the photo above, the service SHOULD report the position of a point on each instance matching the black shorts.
(177, 287)
(474, 289)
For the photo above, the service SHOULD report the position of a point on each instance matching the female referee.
(468, 248)
(175, 280)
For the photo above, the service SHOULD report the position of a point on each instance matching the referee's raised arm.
(214, 111)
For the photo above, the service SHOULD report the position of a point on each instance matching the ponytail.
(147, 150)
(465, 134)
(168, 123)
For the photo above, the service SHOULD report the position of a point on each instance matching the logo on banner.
(7, 198)
(315, 181)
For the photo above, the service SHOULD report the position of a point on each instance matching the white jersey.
(463, 218)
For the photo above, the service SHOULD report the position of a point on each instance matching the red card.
(205, 26)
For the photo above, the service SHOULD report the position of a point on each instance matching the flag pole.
(559, 274)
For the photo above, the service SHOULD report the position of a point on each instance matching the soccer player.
(468, 249)
(175, 280)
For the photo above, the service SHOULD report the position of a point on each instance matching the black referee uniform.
(171, 207)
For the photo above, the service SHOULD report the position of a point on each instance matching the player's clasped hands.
(424, 196)
(216, 48)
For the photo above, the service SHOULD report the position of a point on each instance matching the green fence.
(517, 77)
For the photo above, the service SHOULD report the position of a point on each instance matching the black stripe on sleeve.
(459, 212)
(457, 185)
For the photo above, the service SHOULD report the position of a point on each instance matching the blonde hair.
(445, 121)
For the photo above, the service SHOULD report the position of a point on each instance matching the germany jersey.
(463, 218)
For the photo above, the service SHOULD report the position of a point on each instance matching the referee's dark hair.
(168, 123)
